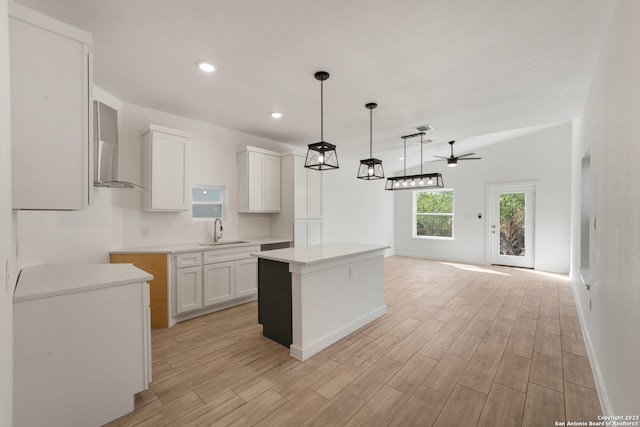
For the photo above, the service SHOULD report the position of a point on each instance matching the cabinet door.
(272, 183)
(219, 279)
(169, 173)
(50, 113)
(188, 289)
(314, 193)
(315, 232)
(300, 233)
(257, 170)
(300, 208)
(246, 277)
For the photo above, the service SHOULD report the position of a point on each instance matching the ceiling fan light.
(452, 163)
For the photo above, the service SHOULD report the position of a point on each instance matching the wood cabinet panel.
(156, 265)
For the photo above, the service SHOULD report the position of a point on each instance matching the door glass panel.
(512, 224)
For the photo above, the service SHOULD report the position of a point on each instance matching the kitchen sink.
(231, 242)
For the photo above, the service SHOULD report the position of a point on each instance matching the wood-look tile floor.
(460, 345)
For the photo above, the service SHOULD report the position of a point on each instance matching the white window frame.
(414, 214)
(221, 202)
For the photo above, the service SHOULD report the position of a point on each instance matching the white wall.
(115, 219)
(6, 231)
(609, 129)
(356, 210)
(213, 161)
(543, 157)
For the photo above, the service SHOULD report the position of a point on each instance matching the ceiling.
(469, 68)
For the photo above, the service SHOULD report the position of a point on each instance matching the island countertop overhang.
(316, 254)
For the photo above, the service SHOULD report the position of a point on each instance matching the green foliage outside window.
(434, 214)
(512, 223)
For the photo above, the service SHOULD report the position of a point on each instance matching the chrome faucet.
(215, 230)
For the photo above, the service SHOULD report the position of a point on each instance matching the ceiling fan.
(453, 160)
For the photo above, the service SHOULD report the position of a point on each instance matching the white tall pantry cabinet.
(301, 213)
(51, 112)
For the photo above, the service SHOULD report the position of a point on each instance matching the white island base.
(335, 289)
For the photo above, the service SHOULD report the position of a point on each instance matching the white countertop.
(51, 280)
(318, 253)
(195, 247)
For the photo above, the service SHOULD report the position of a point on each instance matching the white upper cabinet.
(258, 180)
(166, 169)
(51, 118)
(307, 187)
(272, 183)
(301, 215)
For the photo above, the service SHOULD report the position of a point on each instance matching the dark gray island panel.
(274, 301)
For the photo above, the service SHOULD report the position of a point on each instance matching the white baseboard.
(436, 258)
(601, 388)
(332, 337)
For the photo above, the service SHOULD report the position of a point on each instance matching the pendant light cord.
(371, 133)
(405, 156)
(420, 154)
(321, 110)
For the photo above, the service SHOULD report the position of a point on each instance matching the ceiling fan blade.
(466, 155)
(440, 157)
(470, 158)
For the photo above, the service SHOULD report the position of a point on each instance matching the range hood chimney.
(105, 148)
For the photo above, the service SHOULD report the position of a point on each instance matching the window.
(433, 214)
(207, 202)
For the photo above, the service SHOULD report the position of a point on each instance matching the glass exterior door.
(511, 225)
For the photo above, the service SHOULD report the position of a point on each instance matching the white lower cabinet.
(219, 280)
(246, 277)
(210, 280)
(81, 343)
(189, 289)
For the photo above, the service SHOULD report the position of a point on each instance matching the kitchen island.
(310, 297)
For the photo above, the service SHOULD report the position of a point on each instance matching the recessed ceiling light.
(205, 66)
(276, 115)
(401, 158)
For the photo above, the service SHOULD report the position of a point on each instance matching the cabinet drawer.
(231, 254)
(190, 259)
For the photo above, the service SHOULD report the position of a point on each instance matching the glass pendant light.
(321, 155)
(371, 168)
(409, 182)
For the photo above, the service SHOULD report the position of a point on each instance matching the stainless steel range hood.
(105, 148)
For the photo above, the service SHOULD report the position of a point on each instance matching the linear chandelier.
(410, 182)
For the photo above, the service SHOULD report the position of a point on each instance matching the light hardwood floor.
(460, 345)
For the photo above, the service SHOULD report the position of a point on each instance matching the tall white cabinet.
(51, 116)
(258, 180)
(166, 169)
(300, 217)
